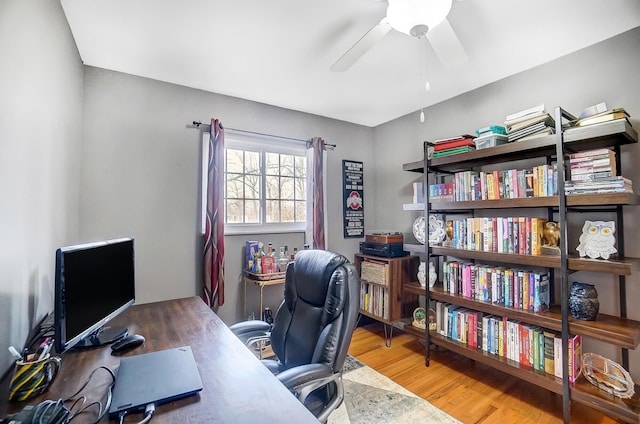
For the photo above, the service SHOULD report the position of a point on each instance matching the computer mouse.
(127, 342)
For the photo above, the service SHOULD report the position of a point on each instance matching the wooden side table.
(260, 280)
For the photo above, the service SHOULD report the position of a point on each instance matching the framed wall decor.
(353, 198)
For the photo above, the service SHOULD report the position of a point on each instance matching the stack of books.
(452, 146)
(529, 123)
(607, 115)
(603, 185)
(592, 165)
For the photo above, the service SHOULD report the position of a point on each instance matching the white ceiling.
(279, 52)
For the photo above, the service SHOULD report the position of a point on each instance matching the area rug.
(370, 397)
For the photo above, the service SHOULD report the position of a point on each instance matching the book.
(593, 110)
(538, 109)
(541, 295)
(453, 144)
(588, 153)
(574, 356)
(609, 115)
(452, 139)
(557, 355)
(593, 176)
(544, 118)
(600, 191)
(523, 132)
(586, 160)
(549, 363)
(418, 193)
(545, 132)
(454, 151)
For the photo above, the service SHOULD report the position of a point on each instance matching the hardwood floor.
(466, 390)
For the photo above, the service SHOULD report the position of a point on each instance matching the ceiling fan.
(418, 18)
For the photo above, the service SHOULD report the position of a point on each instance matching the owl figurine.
(597, 239)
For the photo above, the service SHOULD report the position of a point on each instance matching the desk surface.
(237, 387)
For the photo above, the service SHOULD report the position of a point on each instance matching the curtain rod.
(199, 124)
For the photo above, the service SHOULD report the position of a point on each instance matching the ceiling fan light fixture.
(417, 17)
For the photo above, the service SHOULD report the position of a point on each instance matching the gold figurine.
(551, 234)
(551, 239)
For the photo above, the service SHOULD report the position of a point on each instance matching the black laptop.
(156, 377)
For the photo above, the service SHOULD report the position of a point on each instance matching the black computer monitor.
(94, 283)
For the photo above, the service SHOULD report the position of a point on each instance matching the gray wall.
(40, 127)
(141, 166)
(603, 72)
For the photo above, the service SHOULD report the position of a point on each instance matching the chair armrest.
(255, 325)
(299, 376)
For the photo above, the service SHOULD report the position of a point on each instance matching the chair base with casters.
(312, 329)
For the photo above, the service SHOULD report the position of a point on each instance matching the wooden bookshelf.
(400, 271)
(618, 331)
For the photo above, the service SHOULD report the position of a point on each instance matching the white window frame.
(261, 143)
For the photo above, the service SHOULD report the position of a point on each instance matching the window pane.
(286, 188)
(234, 211)
(272, 164)
(252, 187)
(234, 160)
(273, 211)
(287, 211)
(301, 211)
(301, 166)
(286, 165)
(263, 186)
(300, 192)
(252, 211)
(273, 189)
(234, 187)
(252, 163)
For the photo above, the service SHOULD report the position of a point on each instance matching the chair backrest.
(319, 312)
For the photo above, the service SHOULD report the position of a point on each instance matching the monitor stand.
(102, 336)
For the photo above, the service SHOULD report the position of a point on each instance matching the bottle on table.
(283, 259)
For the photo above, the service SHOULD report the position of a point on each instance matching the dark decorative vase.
(583, 301)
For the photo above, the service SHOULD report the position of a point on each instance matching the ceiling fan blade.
(447, 46)
(362, 46)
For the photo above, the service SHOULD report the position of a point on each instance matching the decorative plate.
(607, 375)
(437, 232)
(418, 229)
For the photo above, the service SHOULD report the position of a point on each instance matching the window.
(265, 184)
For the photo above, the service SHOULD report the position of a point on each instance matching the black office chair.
(312, 329)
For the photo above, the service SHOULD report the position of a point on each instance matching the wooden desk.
(237, 387)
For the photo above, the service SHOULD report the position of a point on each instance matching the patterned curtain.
(214, 230)
(315, 193)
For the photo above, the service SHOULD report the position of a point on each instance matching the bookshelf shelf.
(607, 328)
(616, 330)
(414, 287)
(618, 266)
(627, 410)
(414, 331)
(578, 200)
(413, 207)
